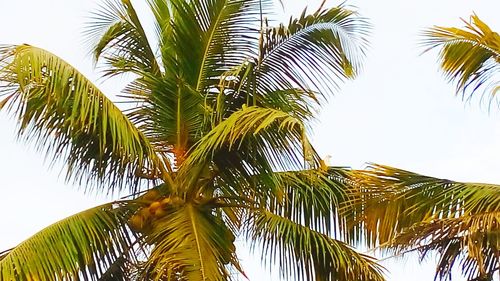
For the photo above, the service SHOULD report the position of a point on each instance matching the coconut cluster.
(158, 207)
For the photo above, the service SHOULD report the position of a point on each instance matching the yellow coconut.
(145, 213)
(154, 206)
(165, 202)
(136, 222)
(160, 212)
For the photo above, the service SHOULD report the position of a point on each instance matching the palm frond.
(121, 40)
(278, 138)
(237, 88)
(471, 240)
(305, 254)
(313, 51)
(84, 245)
(174, 114)
(230, 34)
(403, 211)
(163, 14)
(469, 56)
(308, 197)
(211, 36)
(192, 243)
(63, 113)
(119, 270)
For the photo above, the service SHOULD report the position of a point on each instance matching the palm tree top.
(213, 145)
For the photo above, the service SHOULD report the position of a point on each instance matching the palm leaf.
(472, 240)
(208, 37)
(274, 137)
(230, 34)
(116, 271)
(404, 211)
(163, 14)
(469, 56)
(121, 40)
(309, 197)
(305, 254)
(193, 243)
(65, 114)
(201, 41)
(172, 114)
(312, 51)
(237, 88)
(84, 245)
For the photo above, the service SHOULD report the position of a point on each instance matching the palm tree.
(212, 146)
(469, 56)
(401, 212)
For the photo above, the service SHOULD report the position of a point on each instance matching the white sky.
(399, 112)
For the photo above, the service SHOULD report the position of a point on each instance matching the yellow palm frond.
(401, 211)
(469, 56)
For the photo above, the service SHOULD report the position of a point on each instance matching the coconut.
(154, 206)
(136, 222)
(144, 212)
(165, 202)
(160, 213)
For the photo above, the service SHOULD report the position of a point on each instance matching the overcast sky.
(399, 112)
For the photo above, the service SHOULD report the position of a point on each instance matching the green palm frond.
(305, 254)
(4, 253)
(313, 51)
(230, 35)
(202, 40)
(193, 243)
(237, 88)
(249, 121)
(276, 135)
(117, 271)
(403, 211)
(121, 40)
(65, 114)
(209, 37)
(84, 245)
(308, 197)
(469, 56)
(170, 113)
(163, 14)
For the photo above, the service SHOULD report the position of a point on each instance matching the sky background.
(399, 112)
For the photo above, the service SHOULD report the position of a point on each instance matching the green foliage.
(327, 39)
